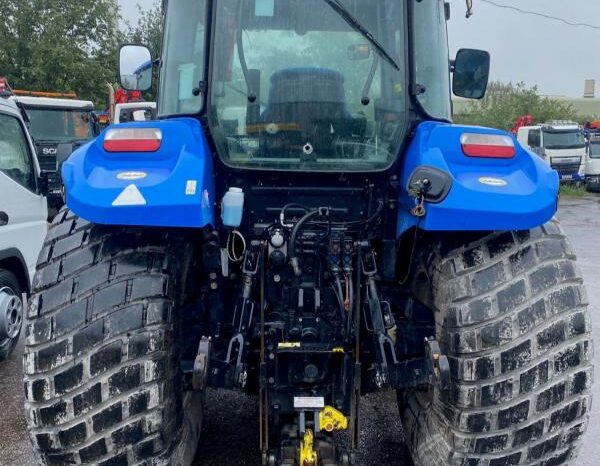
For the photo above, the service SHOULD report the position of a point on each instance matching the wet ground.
(231, 430)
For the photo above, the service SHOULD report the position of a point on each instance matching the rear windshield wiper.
(357, 26)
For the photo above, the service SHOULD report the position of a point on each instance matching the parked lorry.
(58, 124)
(23, 219)
(340, 238)
(561, 144)
(592, 167)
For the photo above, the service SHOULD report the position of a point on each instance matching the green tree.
(59, 45)
(148, 30)
(504, 103)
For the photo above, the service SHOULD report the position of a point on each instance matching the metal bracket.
(201, 364)
(240, 374)
(438, 364)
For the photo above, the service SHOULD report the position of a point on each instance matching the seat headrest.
(307, 85)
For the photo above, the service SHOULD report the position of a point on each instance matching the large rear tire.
(102, 378)
(511, 314)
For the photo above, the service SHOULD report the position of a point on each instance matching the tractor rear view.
(305, 224)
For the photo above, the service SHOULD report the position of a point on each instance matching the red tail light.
(493, 146)
(133, 140)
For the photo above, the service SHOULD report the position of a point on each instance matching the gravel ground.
(231, 429)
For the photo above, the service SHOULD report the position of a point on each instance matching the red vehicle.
(525, 120)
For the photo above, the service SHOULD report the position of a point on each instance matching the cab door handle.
(3, 219)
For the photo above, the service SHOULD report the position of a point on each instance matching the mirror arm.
(200, 89)
(418, 89)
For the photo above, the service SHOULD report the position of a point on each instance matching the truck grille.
(47, 163)
(566, 168)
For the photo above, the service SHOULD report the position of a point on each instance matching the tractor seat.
(305, 105)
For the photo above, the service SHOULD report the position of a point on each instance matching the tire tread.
(511, 314)
(100, 355)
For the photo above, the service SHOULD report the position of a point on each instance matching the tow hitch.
(309, 442)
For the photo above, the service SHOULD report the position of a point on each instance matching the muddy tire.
(11, 313)
(102, 378)
(511, 315)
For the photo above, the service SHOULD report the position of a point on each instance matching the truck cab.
(23, 226)
(561, 144)
(58, 127)
(592, 167)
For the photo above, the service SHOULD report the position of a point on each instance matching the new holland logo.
(496, 182)
(131, 176)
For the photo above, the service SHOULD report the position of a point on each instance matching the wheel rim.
(11, 314)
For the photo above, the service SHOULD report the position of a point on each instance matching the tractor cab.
(316, 85)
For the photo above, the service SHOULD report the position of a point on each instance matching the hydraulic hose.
(294, 262)
(340, 296)
(286, 207)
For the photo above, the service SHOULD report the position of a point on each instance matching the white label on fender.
(190, 187)
(309, 402)
(497, 182)
(131, 195)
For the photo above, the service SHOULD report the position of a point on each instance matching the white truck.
(592, 166)
(23, 219)
(58, 127)
(134, 111)
(561, 144)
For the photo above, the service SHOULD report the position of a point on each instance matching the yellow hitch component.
(331, 420)
(308, 455)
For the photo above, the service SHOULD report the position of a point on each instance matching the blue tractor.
(304, 223)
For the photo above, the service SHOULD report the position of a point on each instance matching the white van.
(23, 220)
(561, 144)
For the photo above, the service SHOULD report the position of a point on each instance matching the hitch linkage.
(243, 316)
(381, 321)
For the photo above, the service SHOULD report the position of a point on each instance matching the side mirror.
(43, 184)
(359, 52)
(135, 68)
(471, 73)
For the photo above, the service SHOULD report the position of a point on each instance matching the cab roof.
(47, 102)
(9, 106)
(136, 105)
(553, 127)
(561, 127)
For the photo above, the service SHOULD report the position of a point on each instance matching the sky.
(555, 57)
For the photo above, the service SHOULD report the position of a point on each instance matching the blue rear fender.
(173, 187)
(485, 194)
